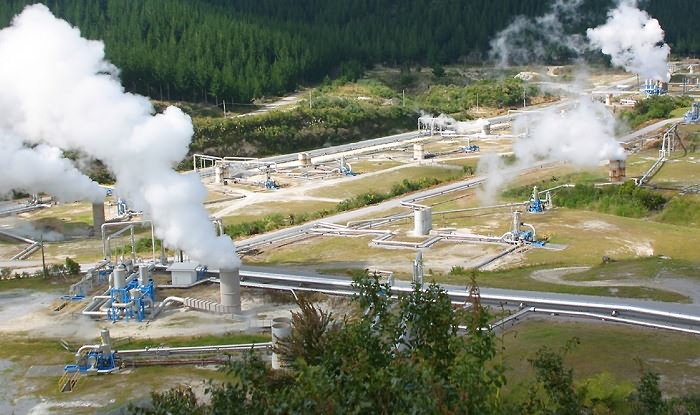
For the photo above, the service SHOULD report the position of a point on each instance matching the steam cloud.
(43, 169)
(58, 90)
(583, 136)
(634, 40)
(531, 40)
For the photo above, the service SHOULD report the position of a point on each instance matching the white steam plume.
(43, 169)
(58, 88)
(634, 40)
(532, 39)
(583, 136)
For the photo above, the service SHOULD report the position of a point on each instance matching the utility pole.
(403, 97)
(477, 104)
(224, 108)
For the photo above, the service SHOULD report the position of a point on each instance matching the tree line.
(237, 50)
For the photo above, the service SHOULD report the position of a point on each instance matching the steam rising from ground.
(634, 40)
(43, 169)
(532, 40)
(58, 89)
(583, 136)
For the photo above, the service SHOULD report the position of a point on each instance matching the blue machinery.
(473, 148)
(345, 168)
(122, 208)
(94, 358)
(654, 87)
(693, 115)
(519, 236)
(536, 204)
(126, 298)
(129, 300)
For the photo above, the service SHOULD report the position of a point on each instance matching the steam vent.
(230, 290)
(98, 216)
(617, 171)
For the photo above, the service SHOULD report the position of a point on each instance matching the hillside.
(208, 50)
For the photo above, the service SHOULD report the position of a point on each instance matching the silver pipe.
(133, 246)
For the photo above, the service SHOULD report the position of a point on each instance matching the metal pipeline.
(127, 225)
(86, 347)
(165, 303)
(99, 301)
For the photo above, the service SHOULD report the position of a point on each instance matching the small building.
(183, 273)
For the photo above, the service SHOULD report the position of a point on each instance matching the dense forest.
(208, 50)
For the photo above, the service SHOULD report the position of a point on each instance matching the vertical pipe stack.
(98, 216)
(418, 153)
(486, 128)
(423, 221)
(617, 171)
(516, 223)
(281, 329)
(230, 290)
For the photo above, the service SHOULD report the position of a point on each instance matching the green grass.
(286, 208)
(383, 183)
(679, 112)
(641, 268)
(519, 279)
(226, 338)
(606, 347)
(681, 210)
(369, 166)
(36, 284)
(679, 170)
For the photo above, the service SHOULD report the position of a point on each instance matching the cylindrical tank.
(104, 335)
(608, 99)
(230, 290)
(280, 330)
(218, 175)
(516, 223)
(486, 128)
(418, 152)
(119, 277)
(143, 275)
(423, 221)
(98, 216)
(304, 159)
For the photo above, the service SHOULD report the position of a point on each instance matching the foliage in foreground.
(407, 355)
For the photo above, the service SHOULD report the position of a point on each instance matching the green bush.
(682, 210)
(625, 200)
(654, 107)
(330, 121)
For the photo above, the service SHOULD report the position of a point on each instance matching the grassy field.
(635, 244)
(36, 284)
(124, 386)
(606, 348)
(383, 183)
(259, 210)
(369, 166)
